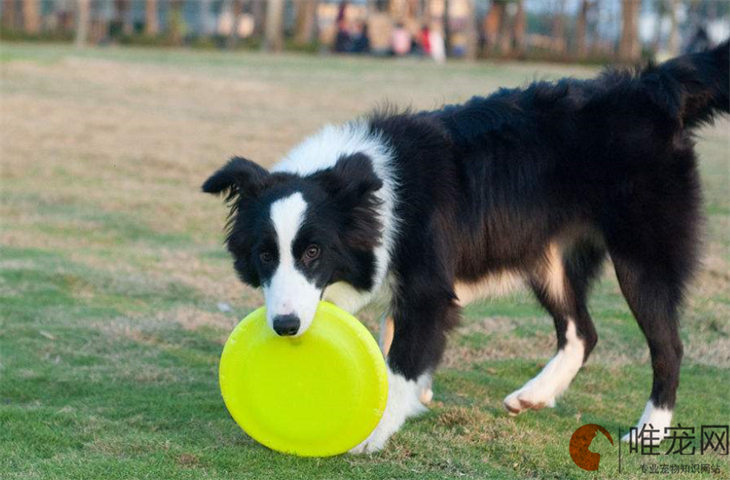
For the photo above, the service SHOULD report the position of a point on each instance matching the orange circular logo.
(579, 443)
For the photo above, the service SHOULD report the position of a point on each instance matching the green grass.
(112, 267)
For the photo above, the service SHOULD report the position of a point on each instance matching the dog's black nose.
(286, 325)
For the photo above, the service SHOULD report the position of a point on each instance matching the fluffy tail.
(693, 88)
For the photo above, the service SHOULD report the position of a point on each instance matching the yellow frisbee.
(315, 395)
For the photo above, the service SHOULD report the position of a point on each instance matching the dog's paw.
(403, 402)
(652, 426)
(528, 398)
(374, 443)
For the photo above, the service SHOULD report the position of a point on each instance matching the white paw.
(653, 424)
(376, 441)
(552, 380)
(529, 397)
(403, 402)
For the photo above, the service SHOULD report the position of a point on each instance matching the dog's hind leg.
(653, 294)
(653, 238)
(561, 284)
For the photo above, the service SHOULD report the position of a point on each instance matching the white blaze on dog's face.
(291, 298)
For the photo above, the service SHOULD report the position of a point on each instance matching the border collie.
(427, 211)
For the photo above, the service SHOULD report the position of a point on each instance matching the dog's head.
(294, 234)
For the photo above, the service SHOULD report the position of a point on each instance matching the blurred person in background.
(400, 40)
(424, 40)
(437, 45)
(343, 42)
(360, 43)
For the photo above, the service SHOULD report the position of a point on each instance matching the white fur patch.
(321, 151)
(288, 291)
(493, 285)
(403, 402)
(658, 418)
(553, 380)
(345, 296)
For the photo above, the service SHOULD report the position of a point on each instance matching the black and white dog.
(428, 211)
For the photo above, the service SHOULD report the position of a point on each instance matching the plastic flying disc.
(315, 395)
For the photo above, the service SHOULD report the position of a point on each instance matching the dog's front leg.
(420, 321)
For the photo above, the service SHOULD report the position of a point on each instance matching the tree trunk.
(127, 25)
(151, 26)
(558, 30)
(175, 21)
(660, 12)
(629, 49)
(9, 15)
(274, 33)
(447, 28)
(673, 46)
(470, 50)
(122, 16)
(258, 10)
(31, 18)
(506, 32)
(580, 29)
(493, 25)
(83, 17)
(306, 20)
(520, 29)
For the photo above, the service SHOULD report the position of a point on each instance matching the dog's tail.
(692, 88)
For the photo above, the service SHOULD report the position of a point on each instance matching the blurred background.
(555, 30)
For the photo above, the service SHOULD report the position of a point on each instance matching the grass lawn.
(112, 270)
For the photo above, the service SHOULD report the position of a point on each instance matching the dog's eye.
(266, 257)
(311, 253)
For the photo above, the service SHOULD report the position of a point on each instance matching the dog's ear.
(352, 184)
(237, 177)
(353, 179)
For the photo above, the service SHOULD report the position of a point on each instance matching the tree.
(306, 20)
(123, 16)
(151, 26)
(494, 24)
(175, 21)
(660, 11)
(520, 28)
(471, 32)
(558, 28)
(274, 32)
(258, 10)
(447, 27)
(9, 15)
(83, 17)
(580, 29)
(629, 49)
(31, 17)
(673, 46)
